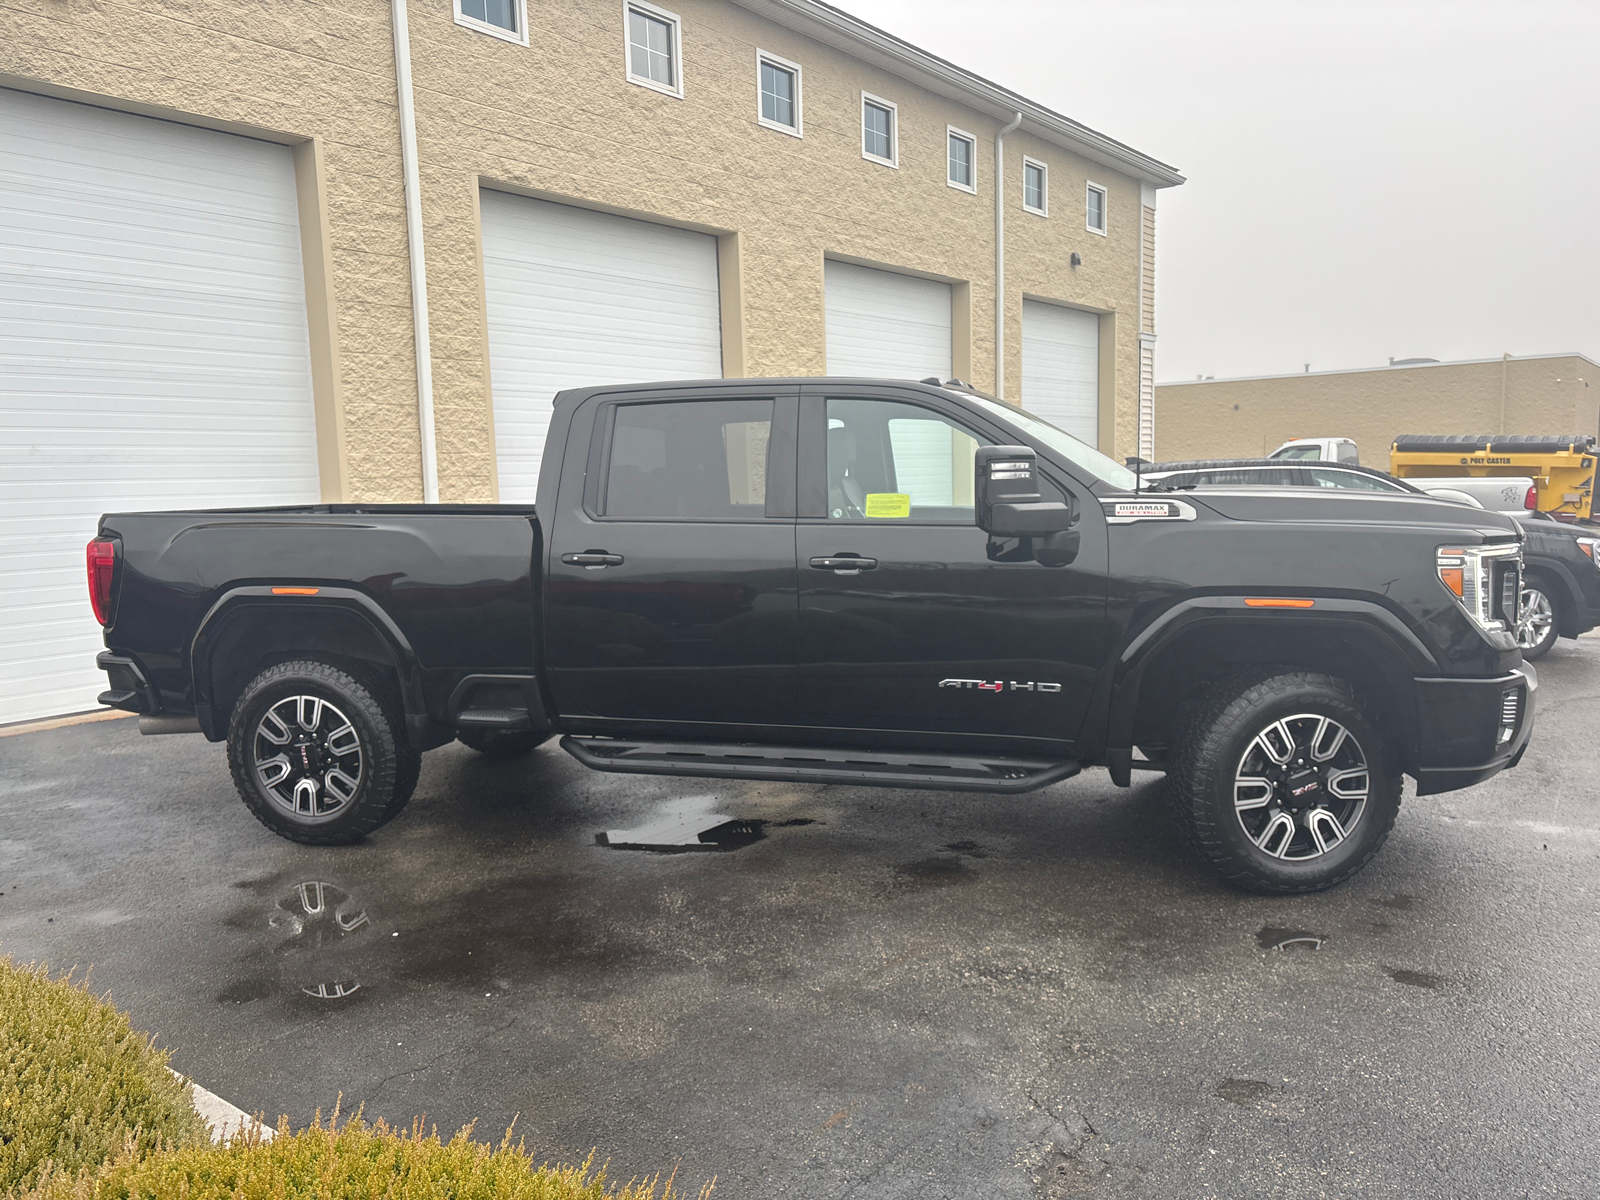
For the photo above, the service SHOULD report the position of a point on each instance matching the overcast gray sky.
(1365, 179)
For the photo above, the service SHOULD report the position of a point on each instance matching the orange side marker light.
(1274, 602)
(290, 591)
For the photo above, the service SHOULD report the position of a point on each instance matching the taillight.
(1531, 500)
(102, 559)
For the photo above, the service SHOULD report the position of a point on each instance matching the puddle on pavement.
(935, 871)
(692, 824)
(316, 927)
(1273, 937)
(1421, 979)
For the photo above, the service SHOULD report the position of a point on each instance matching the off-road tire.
(408, 761)
(496, 744)
(1210, 751)
(388, 765)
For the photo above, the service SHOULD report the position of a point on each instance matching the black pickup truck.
(841, 581)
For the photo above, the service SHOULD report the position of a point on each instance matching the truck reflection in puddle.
(314, 923)
(690, 824)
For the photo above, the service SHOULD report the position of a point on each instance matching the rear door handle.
(593, 559)
(844, 564)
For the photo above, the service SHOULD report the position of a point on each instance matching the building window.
(500, 18)
(654, 58)
(878, 140)
(1094, 207)
(1035, 187)
(778, 93)
(963, 160)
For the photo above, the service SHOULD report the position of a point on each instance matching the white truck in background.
(1319, 450)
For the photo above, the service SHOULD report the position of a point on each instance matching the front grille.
(1507, 591)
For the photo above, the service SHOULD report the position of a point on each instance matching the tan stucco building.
(552, 108)
(274, 252)
(1249, 417)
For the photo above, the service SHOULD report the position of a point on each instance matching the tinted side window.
(696, 460)
(1324, 477)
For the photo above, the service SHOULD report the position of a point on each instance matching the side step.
(811, 764)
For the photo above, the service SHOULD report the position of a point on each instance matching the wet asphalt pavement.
(854, 992)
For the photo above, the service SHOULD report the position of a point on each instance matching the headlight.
(1588, 545)
(1485, 580)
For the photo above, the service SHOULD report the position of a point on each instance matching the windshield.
(1299, 452)
(1075, 452)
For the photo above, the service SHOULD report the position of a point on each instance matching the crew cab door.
(931, 640)
(670, 595)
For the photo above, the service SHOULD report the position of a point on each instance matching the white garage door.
(1061, 368)
(153, 354)
(886, 325)
(578, 298)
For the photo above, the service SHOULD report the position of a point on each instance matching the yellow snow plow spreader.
(1562, 467)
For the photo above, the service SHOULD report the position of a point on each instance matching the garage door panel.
(886, 325)
(1061, 367)
(578, 298)
(155, 351)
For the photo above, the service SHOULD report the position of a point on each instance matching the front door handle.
(593, 559)
(845, 564)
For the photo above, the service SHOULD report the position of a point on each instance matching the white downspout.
(419, 275)
(1000, 257)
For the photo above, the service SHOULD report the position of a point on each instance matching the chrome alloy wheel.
(1535, 617)
(1301, 787)
(308, 756)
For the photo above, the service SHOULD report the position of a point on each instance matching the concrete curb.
(224, 1119)
(104, 714)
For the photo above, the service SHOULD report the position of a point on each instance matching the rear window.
(694, 460)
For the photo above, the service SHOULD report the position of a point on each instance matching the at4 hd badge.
(999, 685)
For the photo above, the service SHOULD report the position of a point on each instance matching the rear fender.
(249, 628)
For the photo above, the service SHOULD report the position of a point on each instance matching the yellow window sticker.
(888, 504)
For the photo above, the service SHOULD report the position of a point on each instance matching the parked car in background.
(1336, 449)
(1510, 495)
(1266, 472)
(1560, 583)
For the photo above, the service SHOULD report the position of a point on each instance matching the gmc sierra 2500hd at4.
(846, 581)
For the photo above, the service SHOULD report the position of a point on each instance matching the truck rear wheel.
(319, 756)
(1284, 783)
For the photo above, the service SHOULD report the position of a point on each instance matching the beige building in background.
(1251, 417)
(274, 252)
(552, 109)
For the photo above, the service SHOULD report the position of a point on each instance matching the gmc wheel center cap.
(1302, 785)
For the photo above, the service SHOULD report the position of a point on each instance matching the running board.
(811, 764)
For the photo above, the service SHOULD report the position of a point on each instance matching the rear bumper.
(129, 689)
(1471, 729)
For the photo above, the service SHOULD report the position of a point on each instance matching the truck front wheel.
(319, 756)
(1284, 783)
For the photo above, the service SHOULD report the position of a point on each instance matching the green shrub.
(355, 1162)
(77, 1084)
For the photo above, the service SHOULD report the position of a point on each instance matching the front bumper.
(1470, 729)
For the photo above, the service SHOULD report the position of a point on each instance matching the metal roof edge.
(1456, 362)
(861, 40)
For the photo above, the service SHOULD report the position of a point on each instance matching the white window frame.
(676, 24)
(894, 131)
(519, 37)
(1105, 208)
(950, 131)
(798, 128)
(1044, 171)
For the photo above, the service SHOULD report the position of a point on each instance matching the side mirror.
(1006, 494)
